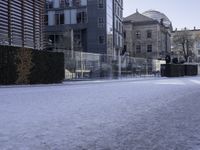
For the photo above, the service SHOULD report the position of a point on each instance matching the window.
(64, 3)
(59, 18)
(117, 25)
(50, 4)
(198, 52)
(100, 3)
(149, 48)
(138, 48)
(76, 3)
(118, 11)
(81, 17)
(101, 39)
(149, 34)
(115, 8)
(62, 18)
(138, 34)
(77, 39)
(46, 19)
(198, 44)
(124, 34)
(121, 14)
(101, 22)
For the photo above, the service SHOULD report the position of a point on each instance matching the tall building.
(147, 35)
(93, 26)
(21, 23)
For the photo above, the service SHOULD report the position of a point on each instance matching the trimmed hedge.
(191, 70)
(178, 70)
(47, 67)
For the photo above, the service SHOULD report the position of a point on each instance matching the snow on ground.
(159, 114)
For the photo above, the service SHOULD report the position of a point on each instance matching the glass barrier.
(81, 65)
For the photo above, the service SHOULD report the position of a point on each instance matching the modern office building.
(147, 34)
(21, 23)
(93, 26)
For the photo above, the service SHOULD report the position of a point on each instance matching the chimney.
(194, 28)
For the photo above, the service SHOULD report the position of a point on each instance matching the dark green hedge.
(191, 70)
(178, 70)
(48, 67)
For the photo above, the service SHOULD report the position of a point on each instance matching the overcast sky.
(182, 13)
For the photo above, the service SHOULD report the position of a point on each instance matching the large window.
(49, 4)
(64, 3)
(59, 18)
(198, 52)
(149, 34)
(76, 3)
(101, 39)
(46, 19)
(100, 3)
(100, 22)
(138, 48)
(149, 48)
(81, 17)
(198, 44)
(138, 35)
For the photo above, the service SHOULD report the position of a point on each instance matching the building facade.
(147, 35)
(21, 23)
(93, 26)
(193, 36)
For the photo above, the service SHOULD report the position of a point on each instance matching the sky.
(182, 13)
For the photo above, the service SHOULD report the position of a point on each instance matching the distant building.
(21, 23)
(93, 26)
(194, 47)
(147, 35)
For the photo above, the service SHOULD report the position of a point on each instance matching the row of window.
(118, 24)
(149, 48)
(118, 40)
(71, 3)
(81, 17)
(138, 34)
(65, 3)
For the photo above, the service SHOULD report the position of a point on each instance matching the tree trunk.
(184, 51)
(187, 49)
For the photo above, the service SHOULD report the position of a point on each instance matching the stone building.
(193, 36)
(93, 26)
(147, 35)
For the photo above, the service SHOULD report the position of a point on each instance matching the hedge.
(178, 70)
(38, 67)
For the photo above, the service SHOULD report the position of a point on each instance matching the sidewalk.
(78, 82)
(86, 81)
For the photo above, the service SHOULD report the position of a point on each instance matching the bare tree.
(24, 65)
(183, 42)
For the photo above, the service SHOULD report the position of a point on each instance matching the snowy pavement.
(159, 114)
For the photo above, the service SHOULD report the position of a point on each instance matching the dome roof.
(156, 15)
